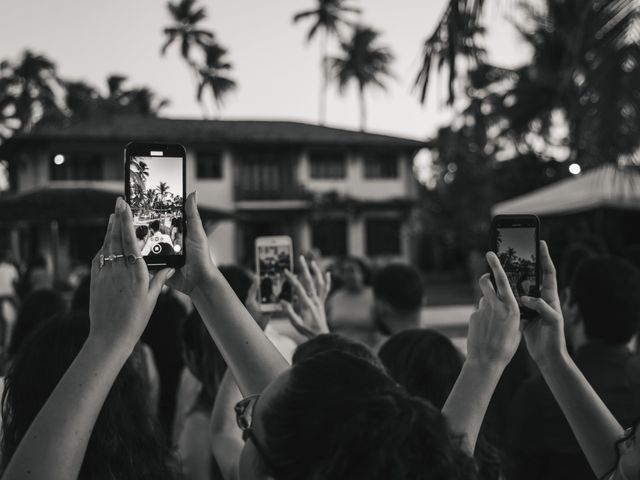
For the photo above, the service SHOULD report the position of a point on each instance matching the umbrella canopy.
(63, 203)
(605, 186)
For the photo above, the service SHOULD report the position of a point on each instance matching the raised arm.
(225, 436)
(121, 303)
(492, 340)
(252, 358)
(595, 428)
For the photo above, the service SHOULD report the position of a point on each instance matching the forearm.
(225, 436)
(251, 357)
(54, 445)
(468, 401)
(595, 428)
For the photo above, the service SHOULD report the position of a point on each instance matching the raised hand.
(494, 329)
(312, 296)
(122, 297)
(199, 264)
(544, 335)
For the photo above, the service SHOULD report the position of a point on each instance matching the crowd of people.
(129, 381)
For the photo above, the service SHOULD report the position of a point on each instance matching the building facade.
(338, 191)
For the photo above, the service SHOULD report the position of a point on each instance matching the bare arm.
(492, 340)
(225, 436)
(595, 428)
(194, 451)
(121, 302)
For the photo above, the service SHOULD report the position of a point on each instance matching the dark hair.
(362, 264)
(399, 285)
(141, 232)
(155, 225)
(165, 249)
(38, 306)
(331, 342)
(427, 364)
(125, 441)
(572, 256)
(607, 293)
(339, 417)
(203, 359)
(239, 279)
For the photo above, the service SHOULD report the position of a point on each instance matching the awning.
(606, 186)
(68, 203)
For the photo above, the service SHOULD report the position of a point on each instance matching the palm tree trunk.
(363, 109)
(324, 63)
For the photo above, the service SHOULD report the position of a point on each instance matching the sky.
(277, 70)
(165, 169)
(522, 240)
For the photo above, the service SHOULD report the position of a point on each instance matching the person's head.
(337, 416)
(154, 226)
(202, 358)
(177, 223)
(604, 301)
(245, 286)
(354, 273)
(38, 306)
(141, 232)
(425, 362)
(124, 443)
(331, 342)
(398, 292)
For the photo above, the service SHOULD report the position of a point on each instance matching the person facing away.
(398, 291)
(156, 237)
(126, 441)
(427, 364)
(602, 313)
(349, 307)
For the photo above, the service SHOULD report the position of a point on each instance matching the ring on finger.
(132, 258)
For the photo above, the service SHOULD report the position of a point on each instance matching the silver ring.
(108, 258)
(131, 258)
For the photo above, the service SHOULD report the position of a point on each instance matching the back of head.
(125, 442)
(331, 342)
(607, 293)
(400, 286)
(573, 256)
(425, 362)
(155, 225)
(142, 231)
(202, 357)
(339, 418)
(37, 307)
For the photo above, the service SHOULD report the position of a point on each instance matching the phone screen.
(516, 249)
(272, 261)
(157, 203)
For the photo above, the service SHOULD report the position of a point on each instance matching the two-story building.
(340, 191)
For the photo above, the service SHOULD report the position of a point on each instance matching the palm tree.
(327, 17)
(38, 88)
(187, 16)
(212, 74)
(363, 61)
(139, 172)
(162, 190)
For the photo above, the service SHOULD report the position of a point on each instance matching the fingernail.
(120, 205)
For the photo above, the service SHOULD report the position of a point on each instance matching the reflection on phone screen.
(157, 198)
(516, 249)
(273, 261)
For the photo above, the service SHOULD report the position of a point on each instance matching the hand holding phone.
(155, 189)
(516, 242)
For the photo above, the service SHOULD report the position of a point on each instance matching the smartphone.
(274, 255)
(155, 189)
(516, 241)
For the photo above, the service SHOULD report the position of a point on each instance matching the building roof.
(605, 186)
(194, 131)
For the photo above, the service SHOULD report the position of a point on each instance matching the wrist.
(210, 278)
(108, 346)
(484, 366)
(552, 360)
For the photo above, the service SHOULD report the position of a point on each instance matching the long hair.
(126, 441)
(339, 417)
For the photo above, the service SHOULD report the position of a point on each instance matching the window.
(76, 166)
(209, 165)
(328, 165)
(383, 236)
(265, 174)
(330, 236)
(381, 166)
